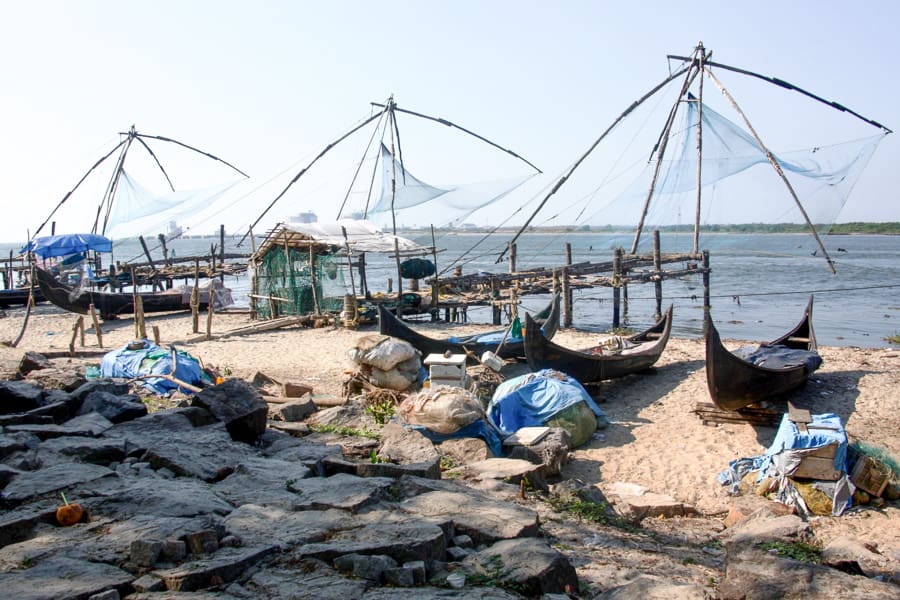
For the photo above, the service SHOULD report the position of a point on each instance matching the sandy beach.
(654, 440)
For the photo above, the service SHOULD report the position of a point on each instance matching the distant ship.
(304, 217)
(173, 231)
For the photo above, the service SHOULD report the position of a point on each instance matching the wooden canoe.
(389, 324)
(111, 304)
(589, 365)
(735, 383)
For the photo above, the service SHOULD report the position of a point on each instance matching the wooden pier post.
(512, 257)
(211, 308)
(363, 282)
(496, 303)
(567, 298)
(152, 266)
(399, 273)
(657, 275)
(313, 279)
(254, 284)
(705, 284)
(195, 298)
(567, 289)
(140, 327)
(435, 283)
(165, 250)
(617, 291)
(221, 252)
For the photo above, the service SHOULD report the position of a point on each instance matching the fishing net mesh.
(283, 279)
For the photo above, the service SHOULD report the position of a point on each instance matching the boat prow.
(638, 353)
(474, 345)
(735, 383)
(111, 304)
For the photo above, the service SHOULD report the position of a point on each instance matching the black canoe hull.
(110, 304)
(589, 365)
(735, 383)
(19, 296)
(389, 324)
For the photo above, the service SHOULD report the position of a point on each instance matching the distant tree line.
(888, 228)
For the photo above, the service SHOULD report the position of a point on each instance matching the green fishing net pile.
(284, 276)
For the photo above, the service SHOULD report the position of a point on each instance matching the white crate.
(446, 370)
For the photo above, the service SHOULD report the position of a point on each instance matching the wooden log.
(96, 321)
(140, 325)
(174, 380)
(78, 326)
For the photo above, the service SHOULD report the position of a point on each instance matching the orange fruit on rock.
(69, 514)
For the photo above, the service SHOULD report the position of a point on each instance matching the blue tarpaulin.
(535, 398)
(143, 357)
(479, 428)
(824, 429)
(780, 357)
(785, 453)
(66, 244)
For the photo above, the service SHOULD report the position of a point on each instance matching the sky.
(267, 85)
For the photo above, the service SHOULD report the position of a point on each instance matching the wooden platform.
(710, 413)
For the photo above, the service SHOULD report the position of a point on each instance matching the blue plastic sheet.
(479, 428)
(66, 244)
(780, 357)
(151, 359)
(535, 398)
(824, 429)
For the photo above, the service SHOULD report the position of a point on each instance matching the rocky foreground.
(230, 496)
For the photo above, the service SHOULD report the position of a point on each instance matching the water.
(759, 284)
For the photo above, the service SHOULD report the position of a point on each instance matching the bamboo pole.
(696, 245)
(584, 156)
(774, 162)
(663, 144)
(567, 298)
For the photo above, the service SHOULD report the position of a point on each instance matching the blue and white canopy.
(66, 244)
